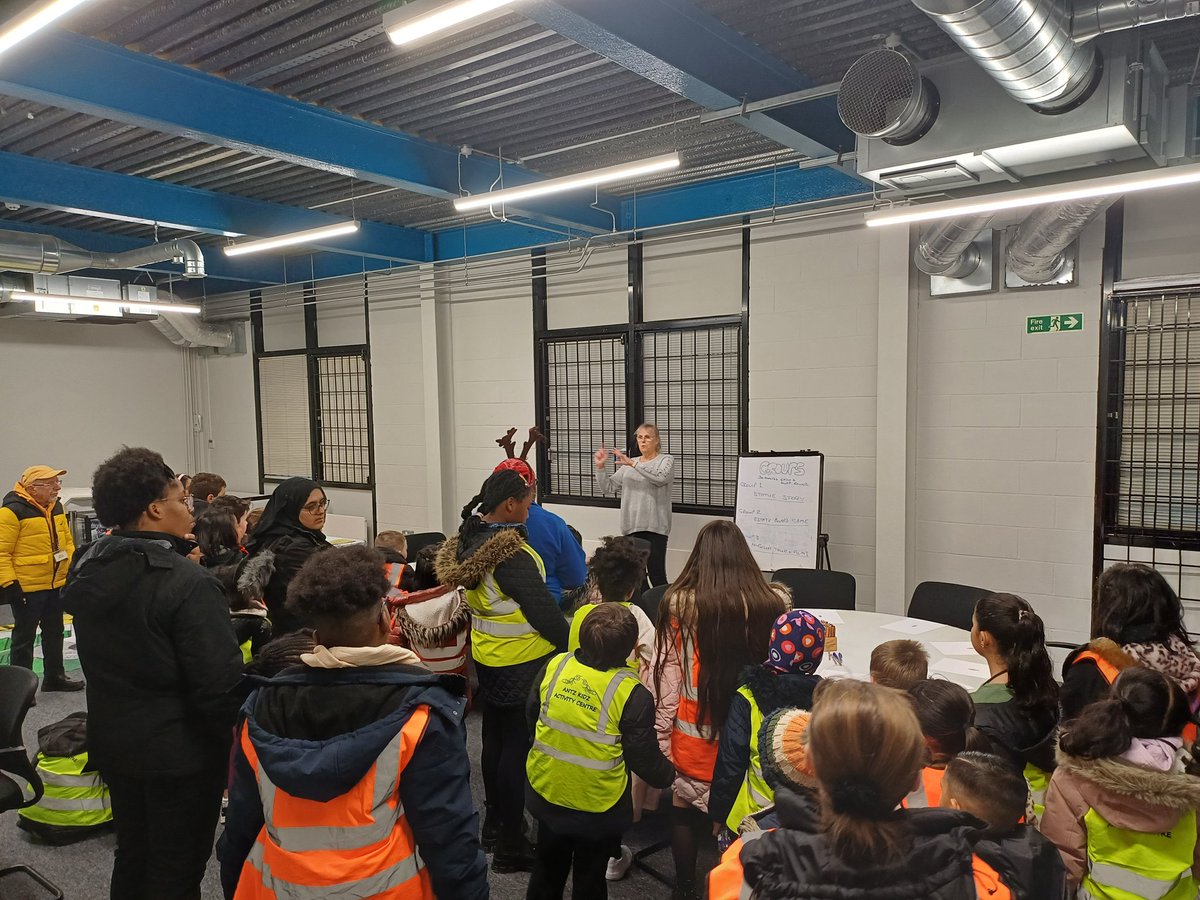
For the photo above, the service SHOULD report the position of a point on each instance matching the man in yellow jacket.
(35, 551)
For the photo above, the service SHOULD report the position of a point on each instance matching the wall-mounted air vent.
(884, 96)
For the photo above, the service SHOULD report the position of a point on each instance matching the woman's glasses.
(316, 506)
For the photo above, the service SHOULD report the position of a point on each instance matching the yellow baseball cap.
(37, 473)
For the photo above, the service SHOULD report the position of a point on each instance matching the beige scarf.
(358, 657)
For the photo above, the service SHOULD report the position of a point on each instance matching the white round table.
(858, 633)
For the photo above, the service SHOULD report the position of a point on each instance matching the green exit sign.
(1046, 324)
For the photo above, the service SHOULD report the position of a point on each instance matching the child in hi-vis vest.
(593, 724)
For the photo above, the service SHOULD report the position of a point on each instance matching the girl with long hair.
(1122, 805)
(1137, 619)
(515, 627)
(1017, 707)
(715, 620)
(866, 749)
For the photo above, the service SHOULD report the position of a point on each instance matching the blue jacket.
(317, 732)
(566, 564)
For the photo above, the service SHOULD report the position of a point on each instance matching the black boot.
(62, 683)
(490, 833)
(513, 855)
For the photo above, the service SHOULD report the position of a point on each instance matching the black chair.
(949, 604)
(650, 600)
(818, 588)
(20, 785)
(417, 542)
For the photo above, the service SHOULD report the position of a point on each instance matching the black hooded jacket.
(279, 530)
(159, 654)
(796, 860)
(772, 691)
(1028, 864)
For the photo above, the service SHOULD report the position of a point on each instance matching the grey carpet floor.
(82, 870)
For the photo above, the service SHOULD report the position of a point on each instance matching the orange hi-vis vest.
(988, 883)
(355, 846)
(929, 792)
(1110, 673)
(693, 750)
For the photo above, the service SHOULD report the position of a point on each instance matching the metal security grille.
(585, 396)
(345, 437)
(691, 391)
(1150, 471)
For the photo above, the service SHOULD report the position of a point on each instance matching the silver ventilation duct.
(46, 255)
(884, 96)
(1037, 253)
(949, 248)
(191, 331)
(1026, 45)
(1092, 20)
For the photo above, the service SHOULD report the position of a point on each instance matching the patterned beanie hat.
(797, 643)
(783, 750)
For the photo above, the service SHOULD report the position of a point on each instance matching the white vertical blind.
(286, 417)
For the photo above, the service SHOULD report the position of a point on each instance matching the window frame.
(312, 354)
(632, 333)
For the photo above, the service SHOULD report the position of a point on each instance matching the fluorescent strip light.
(422, 18)
(22, 27)
(570, 182)
(296, 237)
(82, 306)
(1082, 190)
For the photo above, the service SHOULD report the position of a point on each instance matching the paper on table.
(954, 648)
(952, 666)
(828, 616)
(912, 626)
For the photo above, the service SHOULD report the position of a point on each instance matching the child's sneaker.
(618, 866)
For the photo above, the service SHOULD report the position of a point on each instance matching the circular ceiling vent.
(884, 96)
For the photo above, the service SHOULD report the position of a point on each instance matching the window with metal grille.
(315, 417)
(1150, 466)
(585, 390)
(691, 391)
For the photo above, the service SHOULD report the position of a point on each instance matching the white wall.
(230, 428)
(1162, 233)
(74, 394)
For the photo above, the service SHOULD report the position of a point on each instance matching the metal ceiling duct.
(1026, 45)
(949, 249)
(1090, 21)
(42, 254)
(884, 96)
(191, 331)
(1038, 251)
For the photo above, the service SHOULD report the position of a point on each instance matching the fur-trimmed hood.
(254, 575)
(776, 690)
(1164, 790)
(433, 618)
(1108, 650)
(462, 560)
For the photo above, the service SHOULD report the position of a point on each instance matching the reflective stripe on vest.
(395, 571)
(247, 649)
(929, 790)
(1125, 864)
(577, 623)
(362, 833)
(579, 725)
(73, 798)
(501, 635)
(693, 747)
(1038, 780)
(755, 794)
(444, 659)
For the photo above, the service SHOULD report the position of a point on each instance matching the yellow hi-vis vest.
(576, 760)
(577, 623)
(74, 798)
(755, 794)
(1133, 865)
(1038, 780)
(500, 633)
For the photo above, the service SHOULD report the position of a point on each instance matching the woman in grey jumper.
(644, 484)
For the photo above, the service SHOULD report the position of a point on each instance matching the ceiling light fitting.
(296, 237)
(421, 18)
(79, 306)
(1029, 197)
(18, 29)
(595, 178)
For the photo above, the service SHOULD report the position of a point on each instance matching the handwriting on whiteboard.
(778, 506)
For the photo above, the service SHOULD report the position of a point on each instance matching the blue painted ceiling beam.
(61, 186)
(90, 76)
(692, 53)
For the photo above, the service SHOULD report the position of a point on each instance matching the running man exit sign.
(1046, 324)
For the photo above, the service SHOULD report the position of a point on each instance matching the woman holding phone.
(644, 484)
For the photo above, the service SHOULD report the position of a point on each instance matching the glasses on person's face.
(316, 506)
(48, 483)
(186, 500)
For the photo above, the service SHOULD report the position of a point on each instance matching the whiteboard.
(779, 508)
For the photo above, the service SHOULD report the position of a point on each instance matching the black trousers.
(584, 858)
(40, 608)
(165, 829)
(506, 743)
(656, 566)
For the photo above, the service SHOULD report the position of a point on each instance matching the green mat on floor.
(70, 662)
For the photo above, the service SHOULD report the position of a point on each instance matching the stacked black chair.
(949, 604)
